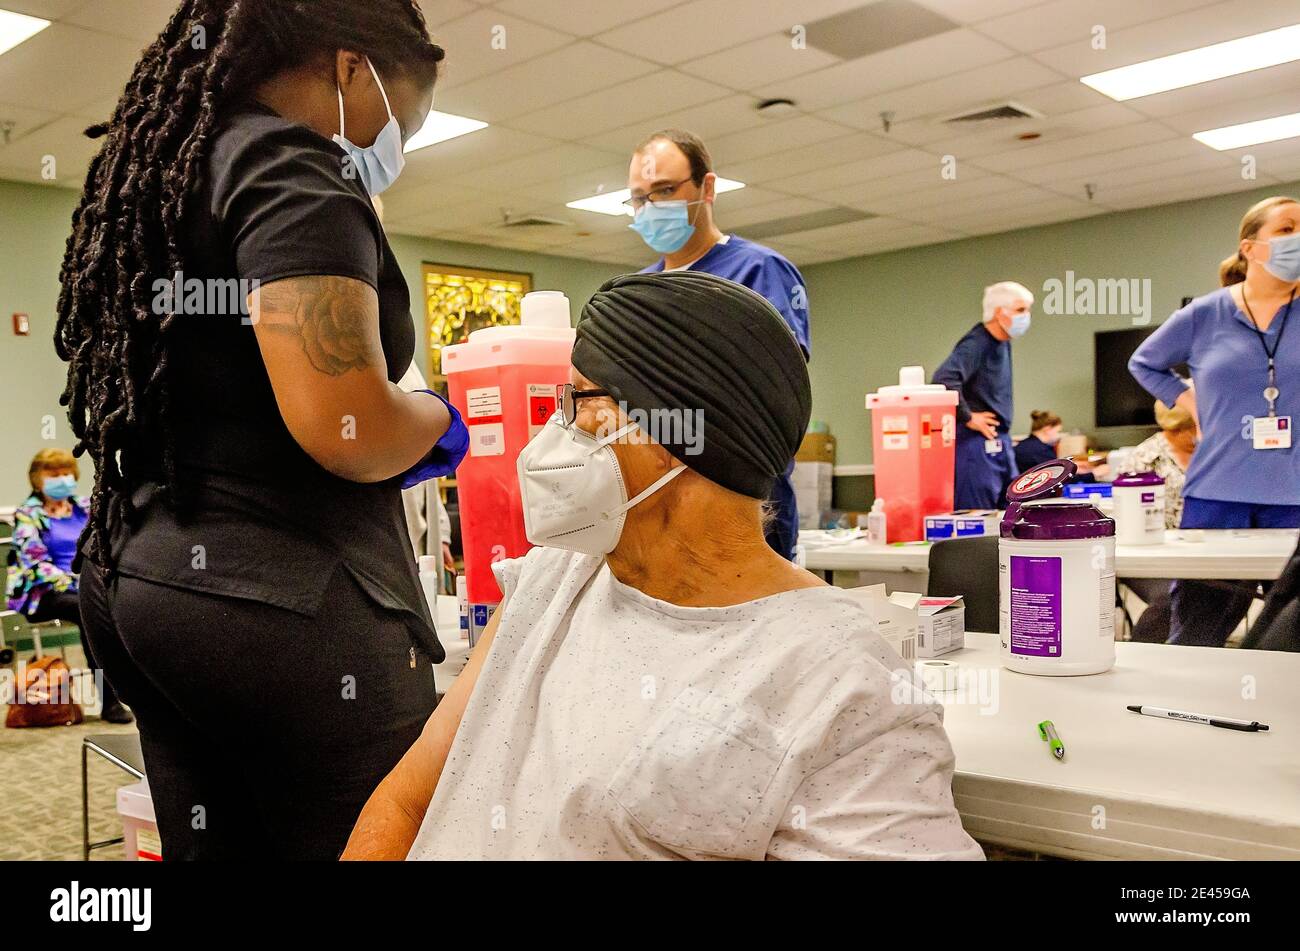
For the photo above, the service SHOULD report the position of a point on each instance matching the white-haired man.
(979, 369)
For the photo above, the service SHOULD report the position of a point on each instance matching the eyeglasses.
(665, 193)
(568, 396)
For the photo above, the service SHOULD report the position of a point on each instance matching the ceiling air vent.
(998, 112)
(531, 221)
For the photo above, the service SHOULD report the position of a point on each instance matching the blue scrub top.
(764, 271)
(1217, 341)
(768, 273)
(979, 369)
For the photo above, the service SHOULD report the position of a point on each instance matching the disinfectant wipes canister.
(1056, 572)
(1139, 508)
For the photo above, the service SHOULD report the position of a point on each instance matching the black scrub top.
(257, 518)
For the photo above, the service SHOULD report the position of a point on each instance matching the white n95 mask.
(378, 165)
(573, 491)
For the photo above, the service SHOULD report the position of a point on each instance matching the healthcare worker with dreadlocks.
(979, 369)
(248, 584)
(658, 683)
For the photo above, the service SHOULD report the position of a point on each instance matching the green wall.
(871, 315)
(34, 225)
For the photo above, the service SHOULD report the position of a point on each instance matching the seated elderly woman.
(658, 683)
(40, 582)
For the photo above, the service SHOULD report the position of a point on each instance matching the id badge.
(994, 446)
(1272, 432)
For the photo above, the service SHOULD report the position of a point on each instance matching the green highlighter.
(1047, 730)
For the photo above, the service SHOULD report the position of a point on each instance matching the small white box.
(941, 626)
(893, 617)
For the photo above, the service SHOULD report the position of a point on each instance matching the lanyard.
(1271, 391)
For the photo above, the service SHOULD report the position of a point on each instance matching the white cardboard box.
(941, 626)
(893, 616)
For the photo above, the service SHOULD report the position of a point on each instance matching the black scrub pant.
(264, 731)
(66, 606)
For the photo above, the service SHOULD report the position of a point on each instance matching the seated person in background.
(40, 583)
(658, 683)
(1167, 454)
(1040, 446)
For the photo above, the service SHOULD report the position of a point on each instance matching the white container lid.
(911, 381)
(545, 309)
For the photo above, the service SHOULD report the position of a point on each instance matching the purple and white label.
(1035, 606)
(1148, 498)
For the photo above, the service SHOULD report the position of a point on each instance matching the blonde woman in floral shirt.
(40, 581)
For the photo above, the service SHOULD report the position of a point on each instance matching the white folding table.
(1130, 786)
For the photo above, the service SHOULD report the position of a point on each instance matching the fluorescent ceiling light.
(1251, 133)
(17, 27)
(1200, 65)
(441, 126)
(611, 203)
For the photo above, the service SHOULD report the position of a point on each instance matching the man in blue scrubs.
(673, 187)
(979, 369)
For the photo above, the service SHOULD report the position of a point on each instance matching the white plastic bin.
(139, 828)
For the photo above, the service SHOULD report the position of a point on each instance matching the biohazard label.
(925, 431)
(541, 406)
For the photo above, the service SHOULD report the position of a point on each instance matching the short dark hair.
(692, 147)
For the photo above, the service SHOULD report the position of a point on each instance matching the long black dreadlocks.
(127, 231)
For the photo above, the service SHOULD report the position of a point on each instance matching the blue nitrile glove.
(446, 453)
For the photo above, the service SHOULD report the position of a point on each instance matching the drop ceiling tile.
(1171, 34)
(467, 153)
(571, 186)
(1070, 21)
(24, 122)
(875, 194)
(709, 120)
(1183, 188)
(614, 106)
(822, 183)
(758, 62)
(1113, 180)
(959, 92)
(942, 198)
(771, 138)
(1076, 171)
(1063, 97)
(974, 11)
(537, 167)
(853, 146)
(1025, 216)
(488, 41)
(555, 77)
(738, 219)
(1257, 94)
(438, 12)
(61, 147)
(1031, 154)
(65, 67)
(580, 19)
(930, 58)
(45, 9)
(140, 20)
(700, 27)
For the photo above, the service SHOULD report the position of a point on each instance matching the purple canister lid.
(1129, 479)
(1055, 521)
(1043, 480)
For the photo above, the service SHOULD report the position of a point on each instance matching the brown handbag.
(45, 697)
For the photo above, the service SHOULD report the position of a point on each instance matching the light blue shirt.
(1230, 370)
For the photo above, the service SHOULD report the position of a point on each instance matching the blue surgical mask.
(1019, 325)
(664, 225)
(1284, 258)
(378, 165)
(59, 487)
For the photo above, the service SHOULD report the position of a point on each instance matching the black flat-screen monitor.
(1119, 399)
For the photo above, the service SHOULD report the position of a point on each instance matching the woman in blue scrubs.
(1246, 367)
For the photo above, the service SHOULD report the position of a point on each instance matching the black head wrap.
(685, 341)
